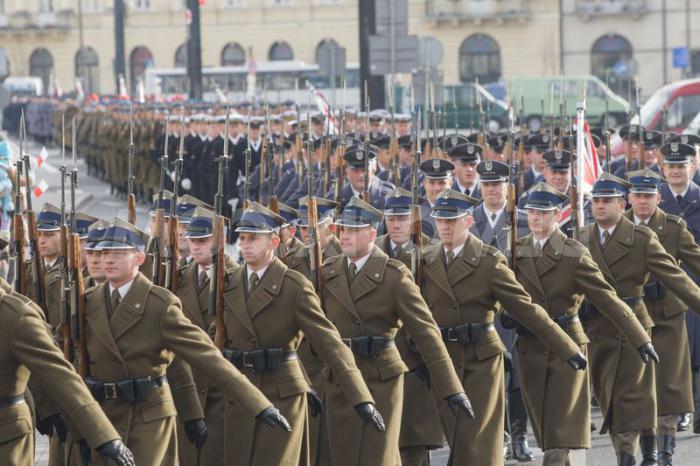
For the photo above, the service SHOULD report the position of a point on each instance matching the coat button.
(357, 322)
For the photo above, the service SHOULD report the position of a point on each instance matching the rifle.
(434, 112)
(36, 262)
(315, 254)
(394, 144)
(269, 152)
(521, 146)
(63, 249)
(339, 165)
(511, 208)
(19, 266)
(640, 154)
(159, 223)
(664, 124)
(366, 196)
(75, 279)
(246, 169)
(217, 280)
(416, 217)
(131, 198)
(481, 137)
(172, 253)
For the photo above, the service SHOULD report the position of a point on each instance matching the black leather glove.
(578, 361)
(196, 431)
(459, 402)
(648, 353)
(272, 417)
(370, 415)
(85, 452)
(423, 374)
(117, 452)
(314, 402)
(53, 424)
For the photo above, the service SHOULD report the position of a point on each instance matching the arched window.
(41, 65)
(612, 60)
(479, 57)
(695, 62)
(140, 59)
(232, 55)
(181, 56)
(331, 43)
(87, 69)
(280, 51)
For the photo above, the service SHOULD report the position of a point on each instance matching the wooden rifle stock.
(316, 258)
(217, 283)
(65, 309)
(77, 299)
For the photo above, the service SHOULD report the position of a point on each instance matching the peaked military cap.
(324, 208)
(437, 169)
(652, 139)
(289, 214)
(398, 202)
(121, 234)
(690, 139)
(382, 142)
(405, 141)
(82, 223)
(453, 204)
(259, 219)
(630, 131)
(165, 205)
(355, 156)
(493, 171)
(677, 152)
(451, 141)
(357, 214)
(596, 140)
(467, 152)
(558, 159)
(49, 218)
(610, 186)
(645, 181)
(201, 224)
(186, 206)
(544, 197)
(95, 233)
(402, 118)
(539, 141)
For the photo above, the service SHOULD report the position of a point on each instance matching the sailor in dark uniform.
(466, 157)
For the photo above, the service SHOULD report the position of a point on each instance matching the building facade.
(486, 39)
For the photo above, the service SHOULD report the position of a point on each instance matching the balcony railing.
(478, 10)
(590, 8)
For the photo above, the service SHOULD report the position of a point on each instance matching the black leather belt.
(260, 360)
(466, 333)
(134, 390)
(654, 291)
(588, 310)
(368, 346)
(563, 320)
(13, 400)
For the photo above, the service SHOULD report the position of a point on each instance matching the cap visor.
(447, 214)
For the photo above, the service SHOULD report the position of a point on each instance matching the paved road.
(93, 197)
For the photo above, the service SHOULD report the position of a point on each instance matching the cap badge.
(436, 164)
(454, 140)
(470, 149)
(545, 138)
(488, 164)
(359, 154)
(674, 147)
(558, 155)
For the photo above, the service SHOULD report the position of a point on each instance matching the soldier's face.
(325, 231)
(650, 157)
(182, 244)
(357, 242)
(200, 250)
(433, 187)
(494, 194)
(454, 231)
(632, 146)
(465, 172)
(404, 157)
(121, 265)
(608, 210)
(403, 127)
(677, 174)
(384, 157)
(542, 222)
(399, 228)
(287, 233)
(49, 243)
(558, 179)
(643, 204)
(537, 160)
(257, 248)
(94, 265)
(356, 176)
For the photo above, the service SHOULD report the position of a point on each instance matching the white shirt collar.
(610, 230)
(541, 242)
(201, 269)
(355, 193)
(682, 193)
(639, 221)
(463, 188)
(123, 290)
(498, 213)
(456, 250)
(49, 265)
(359, 263)
(260, 272)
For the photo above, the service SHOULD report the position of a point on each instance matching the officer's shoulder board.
(331, 260)
(164, 295)
(674, 219)
(488, 250)
(395, 264)
(298, 277)
(573, 246)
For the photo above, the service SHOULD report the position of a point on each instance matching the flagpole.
(580, 157)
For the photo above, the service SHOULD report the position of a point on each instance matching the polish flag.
(40, 188)
(43, 155)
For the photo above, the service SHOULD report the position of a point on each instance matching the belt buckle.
(110, 390)
(451, 337)
(246, 361)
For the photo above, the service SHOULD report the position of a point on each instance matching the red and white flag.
(323, 107)
(43, 155)
(40, 188)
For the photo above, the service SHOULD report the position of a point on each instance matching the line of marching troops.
(386, 360)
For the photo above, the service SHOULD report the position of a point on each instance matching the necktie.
(537, 249)
(467, 192)
(679, 198)
(352, 268)
(397, 250)
(493, 217)
(254, 280)
(450, 257)
(203, 278)
(606, 238)
(114, 300)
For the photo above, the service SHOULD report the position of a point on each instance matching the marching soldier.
(93, 256)
(27, 347)
(420, 423)
(355, 173)
(366, 295)
(557, 272)
(129, 350)
(267, 306)
(464, 281)
(437, 177)
(626, 254)
(465, 158)
(673, 380)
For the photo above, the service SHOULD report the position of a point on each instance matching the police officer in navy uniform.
(465, 158)
(681, 196)
(355, 173)
(630, 138)
(437, 177)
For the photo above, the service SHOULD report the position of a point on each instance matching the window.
(181, 56)
(140, 59)
(90, 6)
(232, 3)
(479, 57)
(45, 6)
(611, 61)
(142, 4)
(331, 43)
(280, 51)
(87, 70)
(232, 55)
(695, 62)
(682, 111)
(41, 65)
(2, 7)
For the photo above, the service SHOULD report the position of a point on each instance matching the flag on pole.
(40, 188)
(323, 106)
(43, 155)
